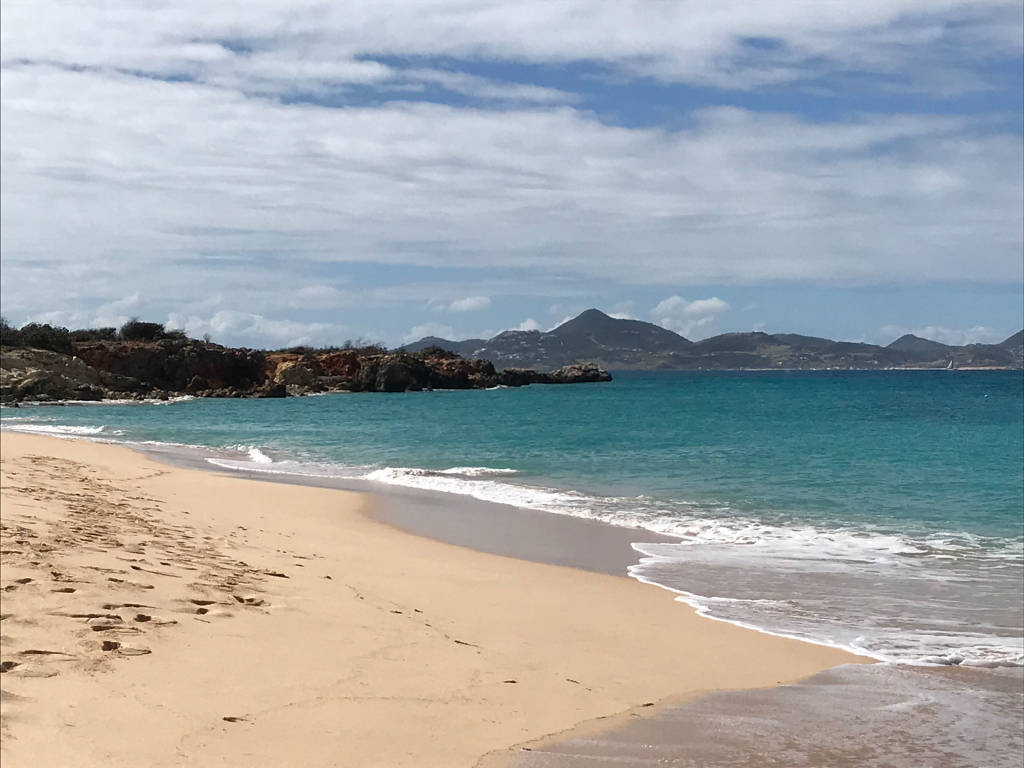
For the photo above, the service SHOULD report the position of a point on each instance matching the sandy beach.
(161, 616)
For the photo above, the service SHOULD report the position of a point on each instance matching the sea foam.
(59, 430)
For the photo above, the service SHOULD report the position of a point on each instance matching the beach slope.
(168, 617)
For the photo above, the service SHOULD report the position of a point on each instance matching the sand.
(157, 616)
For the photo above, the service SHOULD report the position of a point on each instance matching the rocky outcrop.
(295, 373)
(456, 373)
(161, 369)
(186, 366)
(375, 370)
(578, 373)
(41, 375)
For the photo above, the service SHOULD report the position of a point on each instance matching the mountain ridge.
(625, 344)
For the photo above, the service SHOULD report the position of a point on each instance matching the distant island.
(618, 344)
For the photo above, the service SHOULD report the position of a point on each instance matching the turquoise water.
(881, 489)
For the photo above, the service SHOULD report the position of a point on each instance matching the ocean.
(875, 511)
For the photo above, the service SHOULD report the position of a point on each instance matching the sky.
(275, 173)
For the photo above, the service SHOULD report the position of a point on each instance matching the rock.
(401, 373)
(271, 389)
(41, 375)
(579, 373)
(521, 377)
(171, 364)
(452, 372)
(365, 379)
(122, 384)
(344, 363)
(295, 373)
(158, 370)
(334, 383)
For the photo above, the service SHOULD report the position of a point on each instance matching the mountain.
(1014, 342)
(595, 328)
(591, 336)
(915, 345)
(620, 344)
(1015, 346)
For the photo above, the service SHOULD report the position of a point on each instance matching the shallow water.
(878, 716)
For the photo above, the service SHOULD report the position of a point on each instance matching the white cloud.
(977, 334)
(529, 324)
(736, 196)
(688, 317)
(417, 332)
(622, 310)
(252, 330)
(179, 149)
(257, 44)
(470, 304)
(486, 88)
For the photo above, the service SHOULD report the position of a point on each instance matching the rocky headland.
(172, 367)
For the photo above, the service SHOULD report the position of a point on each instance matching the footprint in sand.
(135, 584)
(123, 650)
(38, 652)
(253, 601)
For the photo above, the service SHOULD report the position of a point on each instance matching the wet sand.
(853, 716)
(486, 526)
(161, 616)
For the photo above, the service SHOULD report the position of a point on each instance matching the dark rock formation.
(161, 369)
(520, 377)
(172, 364)
(271, 389)
(580, 373)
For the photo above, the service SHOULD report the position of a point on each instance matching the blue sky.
(274, 173)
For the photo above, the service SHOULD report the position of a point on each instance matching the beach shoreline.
(405, 629)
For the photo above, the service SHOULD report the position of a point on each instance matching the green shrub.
(137, 330)
(94, 334)
(45, 336)
(9, 335)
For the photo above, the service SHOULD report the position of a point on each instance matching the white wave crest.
(254, 454)
(476, 471)
(60, 430)
(464, 484)
(259, 457)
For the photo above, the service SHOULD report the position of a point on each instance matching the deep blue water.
(888, 485)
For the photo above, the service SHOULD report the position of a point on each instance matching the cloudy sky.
(308, 172)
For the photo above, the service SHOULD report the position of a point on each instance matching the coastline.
(406, 629)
